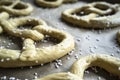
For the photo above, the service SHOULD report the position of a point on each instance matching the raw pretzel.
(16, 7)
(30, 55)
(52, 3)
(109, 63)
(94, 15)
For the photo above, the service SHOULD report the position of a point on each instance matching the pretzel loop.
(11, 26)
(14, 3)
(49, 3)
(109, 63)
(16, 7)
(101, 8)
(52, 3)
(92, 15)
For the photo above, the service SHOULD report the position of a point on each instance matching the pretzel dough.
(16, 7)
(52, 3)
(11, 26)
(30, 55)
(94, 15)
(109, 63)
(3, 15)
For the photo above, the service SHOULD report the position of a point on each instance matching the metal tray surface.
(87, 41)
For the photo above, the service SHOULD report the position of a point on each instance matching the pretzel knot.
(94, 15)
(30, 55)
(109, 63)
(16, 7)
(52, 3)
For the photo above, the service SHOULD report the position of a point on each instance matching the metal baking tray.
(88, 41)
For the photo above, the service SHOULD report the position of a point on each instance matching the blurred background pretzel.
(94, 15)
(52, 3)
(16, 7)
(109, 63)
